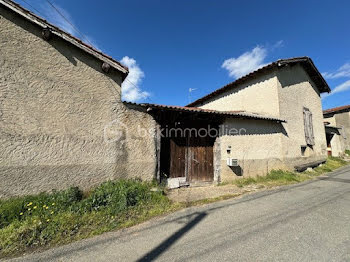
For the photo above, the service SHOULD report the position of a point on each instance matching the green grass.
(347, 152)
(280, 177)
(64, 216)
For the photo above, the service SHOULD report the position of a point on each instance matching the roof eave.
(247, 115)
(64, 35)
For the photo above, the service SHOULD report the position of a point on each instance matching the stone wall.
(259, 95)
(282, 93)
(343, 121)
(62, 122)
(255, 143)
(340, 142)
(296, 91)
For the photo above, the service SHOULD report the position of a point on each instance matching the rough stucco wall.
(296, 90)
(256, 145)
(55, 103)
(257, 95)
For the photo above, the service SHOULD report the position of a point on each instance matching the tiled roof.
(235, 114)
(64, 35)
(306, 62)
(336, 109)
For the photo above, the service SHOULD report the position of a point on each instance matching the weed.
(64, 216)
(281, 177)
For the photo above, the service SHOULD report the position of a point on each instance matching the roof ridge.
(278, 62)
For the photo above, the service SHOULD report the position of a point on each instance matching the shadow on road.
(157, 251)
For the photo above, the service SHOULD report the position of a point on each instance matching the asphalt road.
(304, 222)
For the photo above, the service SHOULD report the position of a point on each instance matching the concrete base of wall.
(26, 180)
(261, 167)
(249, 168)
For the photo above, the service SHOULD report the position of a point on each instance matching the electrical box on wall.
(232, 161)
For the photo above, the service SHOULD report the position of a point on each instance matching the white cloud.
(343, 71)
(278, 44)
(246, 63)
(340, 88)
(131, 90)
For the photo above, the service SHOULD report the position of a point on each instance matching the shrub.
(116, 196)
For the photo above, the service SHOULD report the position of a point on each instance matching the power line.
(67, 20)
(77, 30)
(33, 8)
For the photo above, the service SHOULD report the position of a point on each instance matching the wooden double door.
(192, 157)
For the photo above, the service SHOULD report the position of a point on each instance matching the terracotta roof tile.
(336, 109)
(237, 114)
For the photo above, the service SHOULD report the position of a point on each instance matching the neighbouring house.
(337, 129)
(61, 111)
(286, 133)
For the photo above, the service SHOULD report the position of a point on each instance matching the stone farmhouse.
(63, 123)
(337, 124)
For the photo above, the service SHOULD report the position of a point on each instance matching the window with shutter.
(308, 127)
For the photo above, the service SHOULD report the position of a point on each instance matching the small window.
(308, 127)
(303, 150)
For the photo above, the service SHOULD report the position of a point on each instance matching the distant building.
(269, 119)
(337, 129)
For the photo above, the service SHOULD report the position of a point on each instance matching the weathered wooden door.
(178, 154)
(192, 157)
(200, 159)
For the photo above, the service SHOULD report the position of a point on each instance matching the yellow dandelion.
(21, 214)
(30, 204)
(46, 207)
(53, 204)
(29, 209)
(34, 207)
(51, 212)
(47, 220)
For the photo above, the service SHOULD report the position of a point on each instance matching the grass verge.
(61, 217)
(280, 177)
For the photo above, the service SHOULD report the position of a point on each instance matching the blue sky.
(174, 46)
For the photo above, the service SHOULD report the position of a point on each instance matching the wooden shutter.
(308, 127)
(311, 132)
